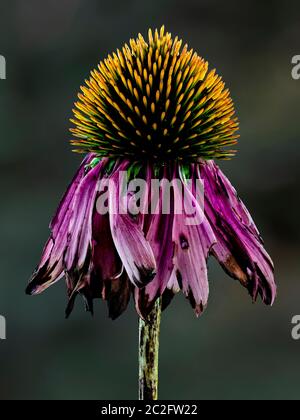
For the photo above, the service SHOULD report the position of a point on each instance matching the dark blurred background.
(236, 350)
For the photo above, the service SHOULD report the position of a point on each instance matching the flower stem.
(148, 354)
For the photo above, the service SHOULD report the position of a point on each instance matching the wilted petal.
(106, 261)
(79, 283)
(79, 258)
(48, 271)
(109, 279)
(192, 246)
(239, 248)
(67, 198)
(103, 262)
(51, 266)
(90, 285)
(133, 248)
(159, 234)
(80, 227)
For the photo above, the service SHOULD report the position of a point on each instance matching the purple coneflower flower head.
(152, 114)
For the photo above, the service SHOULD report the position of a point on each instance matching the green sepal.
(110, 166)
(134, 170)
(185, 171)
(92, 164)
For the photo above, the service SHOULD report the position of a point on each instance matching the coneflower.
(152, 110)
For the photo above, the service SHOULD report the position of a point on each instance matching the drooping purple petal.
(106, 278)
(50, 268)
(239, 247)
(109, 279)
(158, 228)
(78, 282)
(107, 263)
(193, 243)
(48, 271)
(104, 262)
(80, 227)
(133, 248)
(65, 202)
(79, 258)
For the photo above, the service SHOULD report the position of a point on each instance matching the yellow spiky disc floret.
(155, 100)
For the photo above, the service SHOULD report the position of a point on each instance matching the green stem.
(148, 354)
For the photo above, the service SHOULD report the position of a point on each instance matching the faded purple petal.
(79, 283)
(109, 279)
(51, 266)
(239, 248)
(79, 263)
(104, 265)
(80, 227)
(192, 246)
(48, 271)
(65, 202)
(159, 234)
(133, 248)
(107, 263)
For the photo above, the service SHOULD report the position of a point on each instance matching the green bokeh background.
(236, 350)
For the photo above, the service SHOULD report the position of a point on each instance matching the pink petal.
(239, 248)
(192, 246)
(51, 266)
(159, 235)
(80, 227)
(133, 248)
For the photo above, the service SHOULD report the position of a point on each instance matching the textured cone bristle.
(155, 100)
